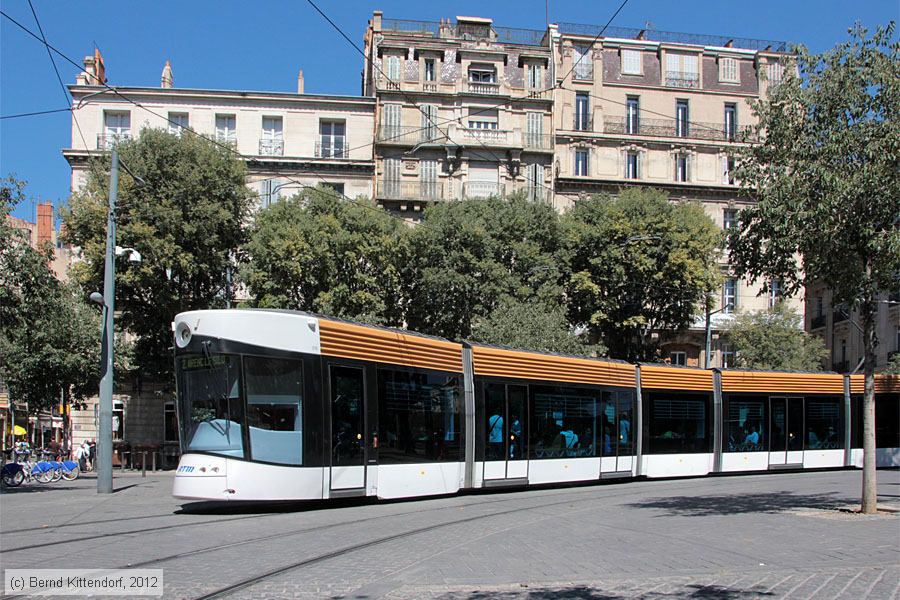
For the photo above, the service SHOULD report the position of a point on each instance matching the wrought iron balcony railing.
(671, 128)
(841, 367)
(583, 123)
(106, 141)
(681, 79)
(839, 315)
(434, 29)
(483, 87)
(410, 136)
(389, 189)
(226, 137)
(817, 322)
(483, 189)
(334, 149)
(271, 147)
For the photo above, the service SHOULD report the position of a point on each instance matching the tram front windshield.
(209, 396)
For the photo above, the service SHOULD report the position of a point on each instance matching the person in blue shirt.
(752, 437)
(495, 438)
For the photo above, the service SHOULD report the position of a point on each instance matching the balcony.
(410, 136)
(483, 189)
(106, 141)
(817, 322)
(540, 93)
(583, 123)
(669, 128)
(679, 79)
(535, 141)
(412, 190)
(227, 137)
(429, 86)
(333, 149)
(840, 315)
(488, 137)
(483, 88)
(841, 367)
(271, 147)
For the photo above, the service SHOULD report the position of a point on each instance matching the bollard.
(154, 461)
(144, 463)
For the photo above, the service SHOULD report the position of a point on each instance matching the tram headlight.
(182, 334)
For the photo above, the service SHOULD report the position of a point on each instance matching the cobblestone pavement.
(784, 535)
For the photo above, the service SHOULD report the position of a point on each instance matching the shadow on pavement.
(583, 592)
(729, 504)
(238, 507)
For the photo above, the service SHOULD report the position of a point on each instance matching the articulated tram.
(285, 405)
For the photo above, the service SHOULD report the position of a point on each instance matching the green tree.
(467, 256)
(774, 340)
(49, 335)
(639, 264)
(186, 220)
(532, 325)
(827, 182)
(319, 252)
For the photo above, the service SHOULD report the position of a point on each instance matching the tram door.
(348, 427)
(506, 438)
(786, 432)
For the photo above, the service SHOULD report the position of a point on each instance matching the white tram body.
(283, 405)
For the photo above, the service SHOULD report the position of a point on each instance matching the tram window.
(745, 425)
(418, 417)
(678, 423)
(625, 404)
(209, 393)
(824, 429)
(563, 423)
(856, 422)
(887, 421)
(275, 409)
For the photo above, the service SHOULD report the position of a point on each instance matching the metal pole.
(706, 358)
(104, 441)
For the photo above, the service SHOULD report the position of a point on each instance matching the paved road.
(762, 536)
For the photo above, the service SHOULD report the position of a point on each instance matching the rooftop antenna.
(648, 25)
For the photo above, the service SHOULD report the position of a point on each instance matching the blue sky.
(230, 44)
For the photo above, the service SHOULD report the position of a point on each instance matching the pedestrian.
(92, 454)
(81, 454)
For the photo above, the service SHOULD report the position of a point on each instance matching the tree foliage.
(532, 325)
(774, 340)
(319, 252)
(827, 173)
(639, 264)
(49, 336)
(467, 257)
(186, 220)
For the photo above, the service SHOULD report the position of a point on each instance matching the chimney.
(167, 80)
(94, 70)
(376, 20)
(300, 81)
(44, 223)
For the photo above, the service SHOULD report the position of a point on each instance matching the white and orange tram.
(284, 405)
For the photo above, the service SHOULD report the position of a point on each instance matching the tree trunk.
(869, 490)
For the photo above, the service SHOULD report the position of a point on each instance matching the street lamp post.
(708, 332)
(104, 441)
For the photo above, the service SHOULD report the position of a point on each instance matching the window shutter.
(688, 160)
(725, 169)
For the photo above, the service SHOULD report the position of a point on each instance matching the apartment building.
(667, 111)
(841, 329)
(288, 140)
(464, 110)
